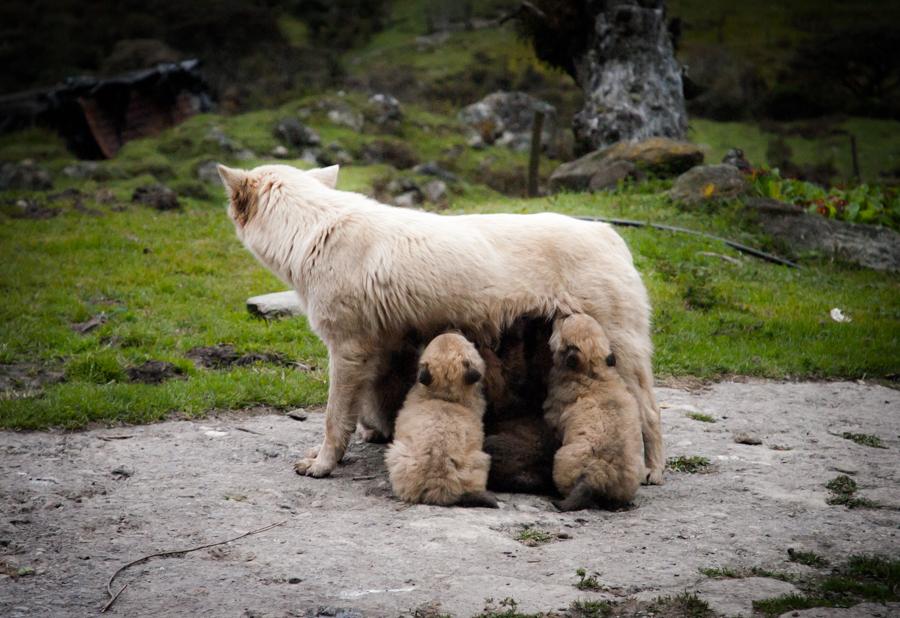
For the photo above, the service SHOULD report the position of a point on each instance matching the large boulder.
(505, 118)
(294, 133)
(709, 182)
(871, 246)
(657, 155)
(384, 111)
(26, 175)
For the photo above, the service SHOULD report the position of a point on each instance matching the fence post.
(534, 161)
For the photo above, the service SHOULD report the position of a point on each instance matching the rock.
(709, 182)
(656, 155)
(294, 133)
(384, 111)
(610, 173)
(31, 209)
(346, 117)
(25, 175)
(217, 136)
(627, 69)
(871, 246)
(392, 152)
(746, 438)
(90, 324)
(435, 191)
(208, 172)
(298, 415)
(224, 355)
(83, 170)
(431, 168)
(505, 118)
(244, 154)
(735, 157)
(153, 372)
(768, 205)
(280, 152)
(275, 305)
(156, 196)
(734, 597)
(334, 154)
(410, 199)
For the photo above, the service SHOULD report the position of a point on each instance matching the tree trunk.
(631, 80)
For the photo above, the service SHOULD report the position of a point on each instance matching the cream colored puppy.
(436, 456)
(368, 274)
(595, 417)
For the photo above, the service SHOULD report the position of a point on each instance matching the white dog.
(367, 274)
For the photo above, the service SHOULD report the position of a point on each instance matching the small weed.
(729, 573)
(532, 537)
(864, 439)
(587, 582)
(810, 559)
(843, 490)
(720, 573)
(758, 572)
(507, 608)
(777, 606)
(693, 464)
(590, 609)
(703, 418)
(686, 604)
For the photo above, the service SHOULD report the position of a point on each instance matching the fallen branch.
(177, 552)
(768, 257)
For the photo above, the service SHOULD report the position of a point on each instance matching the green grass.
(582, 608)
(730, 573)
(864, 439)
(701, 417)
(168, 282)
(587, 582)
(685, 605)
(693, 464)
(807, 558)
(532, 537)
(843, 490)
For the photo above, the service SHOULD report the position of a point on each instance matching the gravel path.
(76, 506)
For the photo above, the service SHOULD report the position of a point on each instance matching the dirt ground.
(76, 506)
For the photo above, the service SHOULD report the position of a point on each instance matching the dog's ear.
(425, 376)
(241, 189)
(326, 175)
(472, 375)
(573, 357)
(611, 360)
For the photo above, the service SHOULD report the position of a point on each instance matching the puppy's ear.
(425, 376)
(241, 189)
(472, 376)
(573, 358)
(611, 360)
(326, 175)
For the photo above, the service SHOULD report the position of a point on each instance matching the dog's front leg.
(349, 370)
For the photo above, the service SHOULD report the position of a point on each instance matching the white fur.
(367, 273)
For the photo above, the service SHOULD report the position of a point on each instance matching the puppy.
(595, 417)
(436, 456)
(521, 451)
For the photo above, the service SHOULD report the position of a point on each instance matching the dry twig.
(177, 552)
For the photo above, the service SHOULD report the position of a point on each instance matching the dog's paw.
(310, 466)
(312, 453)
(654, 477)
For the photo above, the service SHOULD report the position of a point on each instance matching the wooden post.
(537, 129)
(855, 155)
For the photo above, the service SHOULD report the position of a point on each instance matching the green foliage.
(843, 491)
(507, 608)
(582, 608)
(685, 605)
(780, 605)
(807, 558)
(860, 204)
(864, 439)
(699, 416)
(693, 464)
(587, 582)
(533, 537)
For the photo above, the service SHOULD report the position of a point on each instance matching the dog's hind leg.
(350, 368)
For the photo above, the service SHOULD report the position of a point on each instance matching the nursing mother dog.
(368, 274)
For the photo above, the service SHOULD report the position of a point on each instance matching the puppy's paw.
(310, 466)
(654, 477)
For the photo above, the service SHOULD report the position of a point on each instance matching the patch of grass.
(693, 464)
(507, 608)
(777, 606)
(843, 491)
(864, 439)
(699, 416)
(532, 537)
(730, 573)
(807, 558)
(720, 573)
(587, 582)
(687, 604)
(582, 608)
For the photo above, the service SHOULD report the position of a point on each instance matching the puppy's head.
(265, 190)
(580, 345)
(450, 367)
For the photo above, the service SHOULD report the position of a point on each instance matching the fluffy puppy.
(521, 451)
(436, 456)
(595, 417)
